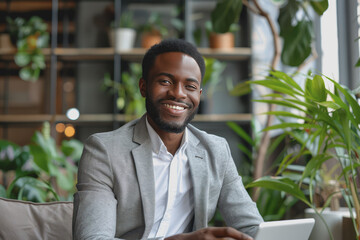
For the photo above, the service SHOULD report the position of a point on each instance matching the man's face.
(172, 91)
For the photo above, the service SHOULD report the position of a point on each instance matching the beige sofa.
(21, 220)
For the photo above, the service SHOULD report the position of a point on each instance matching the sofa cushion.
(27, 220)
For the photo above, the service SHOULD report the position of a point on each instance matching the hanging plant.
(30, 37)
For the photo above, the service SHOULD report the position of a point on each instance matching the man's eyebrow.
(172, 77)
(165, 74)
(193, 80)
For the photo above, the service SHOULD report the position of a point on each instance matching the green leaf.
(72, 148)
(357, 63)
(64, 179)
(46, 143)
(40, 158)
(276, 85)
(43, 40)
(26, 74)
(345, 107)
(35, 73)
(297, 43)
(38, 61)
(241, 89)
(287, 114)
(291, 125)
(319, 6)
(350, 99)
(281, 103)
(245, 150)
(225, 13)
(31, 189)
(241, 132)
(120, 103)
(314, 164)
(316, 89)
(286, 16)
(22, 59)
(330, 104)
(280, 184)
(287, 79)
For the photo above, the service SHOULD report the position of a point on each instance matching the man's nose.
(178, 91)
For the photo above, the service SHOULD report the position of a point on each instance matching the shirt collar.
(158, 145)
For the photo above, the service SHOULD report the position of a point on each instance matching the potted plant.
(129, 98)
(326, 124)
(210, 82)
(224, 18)
(43, 171)
(30, 37)
(153, 31)
(122, 33)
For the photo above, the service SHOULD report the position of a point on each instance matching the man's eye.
(165, 82)
(191, 87)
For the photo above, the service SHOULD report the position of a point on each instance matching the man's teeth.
(174, 107)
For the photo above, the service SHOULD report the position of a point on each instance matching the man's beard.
(154, 114)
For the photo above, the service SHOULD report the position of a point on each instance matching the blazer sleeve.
(94, 204)
(235, 204)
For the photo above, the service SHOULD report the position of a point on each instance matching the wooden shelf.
(71, 27)
(136, 54)
(28, 6)
(108, 118)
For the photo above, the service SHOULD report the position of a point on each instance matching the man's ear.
(142, 87)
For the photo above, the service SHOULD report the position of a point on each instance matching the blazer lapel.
(198, 169)
(145, 174)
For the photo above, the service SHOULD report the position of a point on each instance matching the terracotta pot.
(222, 40)
(148, 39)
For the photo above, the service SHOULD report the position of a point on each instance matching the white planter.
(122, 38)
(334, 221)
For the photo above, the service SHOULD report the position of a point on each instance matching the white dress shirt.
(174, 206)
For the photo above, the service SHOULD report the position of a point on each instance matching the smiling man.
(158, 176)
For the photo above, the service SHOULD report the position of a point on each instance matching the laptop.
(298, 229)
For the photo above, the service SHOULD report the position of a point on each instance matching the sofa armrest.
(27, 220)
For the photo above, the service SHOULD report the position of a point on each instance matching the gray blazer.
(116, 193)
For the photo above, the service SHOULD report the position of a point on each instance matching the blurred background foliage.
(40, 171)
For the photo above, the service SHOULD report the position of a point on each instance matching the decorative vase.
(222, 40)
(334, 220)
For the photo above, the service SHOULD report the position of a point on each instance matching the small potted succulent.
(122, 33)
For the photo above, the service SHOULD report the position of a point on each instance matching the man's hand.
(212, 233)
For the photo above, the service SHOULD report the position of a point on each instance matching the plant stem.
(276, 38)
(323, 220)
(265, 139)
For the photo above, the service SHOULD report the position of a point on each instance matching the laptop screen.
(297, 229)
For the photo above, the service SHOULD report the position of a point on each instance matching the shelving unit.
(74, 63)
(108, 118)
(136, 54)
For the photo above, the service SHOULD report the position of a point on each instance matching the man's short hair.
(171, 45)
